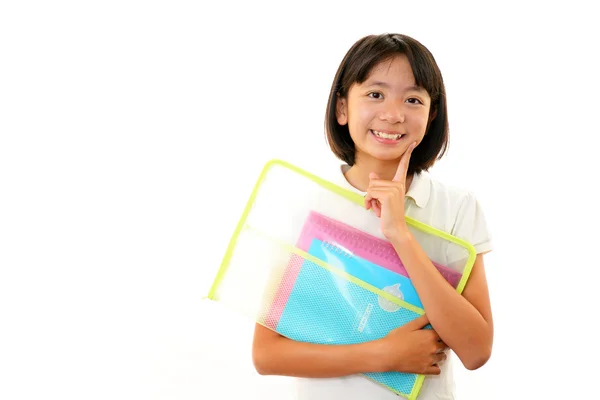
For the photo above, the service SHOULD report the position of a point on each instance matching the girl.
(386, 120)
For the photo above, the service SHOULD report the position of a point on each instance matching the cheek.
(420, 122)
(365, 114)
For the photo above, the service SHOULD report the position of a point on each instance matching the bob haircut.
(356, 66)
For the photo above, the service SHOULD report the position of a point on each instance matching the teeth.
(386, 135)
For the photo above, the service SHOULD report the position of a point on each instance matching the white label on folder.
(365, 317)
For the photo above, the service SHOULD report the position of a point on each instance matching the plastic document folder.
(309, 261)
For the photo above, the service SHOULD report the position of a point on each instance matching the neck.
(358, 174)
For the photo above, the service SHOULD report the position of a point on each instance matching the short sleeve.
(471, 225)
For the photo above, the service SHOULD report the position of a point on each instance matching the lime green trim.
(405, 395)
(354, 197)
(444, 235)
(416, 387)
(274, 162)
(359, 200)
(341, 273)
(236, 233)
(349, 195)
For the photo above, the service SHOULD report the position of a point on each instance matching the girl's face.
(387, 112)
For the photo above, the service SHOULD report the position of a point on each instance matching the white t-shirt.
(447, 208)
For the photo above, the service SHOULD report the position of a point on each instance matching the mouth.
(386, 135)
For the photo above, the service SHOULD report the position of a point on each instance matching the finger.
(433, 370)
(381, 183)
(371, 203)
(375, 204)
(376, 207)
(388, 188)
(379, 194)
(403, 165)
(368, 200)
(433, 336)
(441, 346)
(438, 358)
(418, 323)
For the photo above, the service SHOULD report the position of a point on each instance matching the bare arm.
(464, 322)
(274, 354)
(405, 349)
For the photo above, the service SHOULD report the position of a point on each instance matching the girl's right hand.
(411, 349)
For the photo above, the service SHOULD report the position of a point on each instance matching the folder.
(310, 306)
(309, 261)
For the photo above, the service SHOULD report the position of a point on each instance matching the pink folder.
(346, 239)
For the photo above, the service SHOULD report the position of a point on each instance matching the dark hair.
(356, 66)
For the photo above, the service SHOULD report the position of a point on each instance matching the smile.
(389, 136)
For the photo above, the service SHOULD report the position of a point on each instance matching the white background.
(125, 139)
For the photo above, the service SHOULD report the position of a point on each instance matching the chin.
(385, 155)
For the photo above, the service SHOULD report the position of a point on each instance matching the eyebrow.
(385, 85)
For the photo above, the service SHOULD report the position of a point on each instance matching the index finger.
(418, 322)
(403, 165)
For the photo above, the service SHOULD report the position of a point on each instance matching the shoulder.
(431, 192)
(441, 186)
(454, 209)
(455, 200)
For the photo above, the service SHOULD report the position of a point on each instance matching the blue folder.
(326, 308)
(366, 271)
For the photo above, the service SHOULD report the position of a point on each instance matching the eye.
(375, 95)
(414, 100)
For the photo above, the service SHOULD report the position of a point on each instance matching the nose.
(392, 112)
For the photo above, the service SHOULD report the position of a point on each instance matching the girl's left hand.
(386, 198)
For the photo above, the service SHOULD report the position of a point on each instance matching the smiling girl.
(387, 121)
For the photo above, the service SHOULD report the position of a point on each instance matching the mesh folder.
(307, 260)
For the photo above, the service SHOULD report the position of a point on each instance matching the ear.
(432, 116)
(341, 110)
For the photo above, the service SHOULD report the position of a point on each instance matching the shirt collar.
(420, 189)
